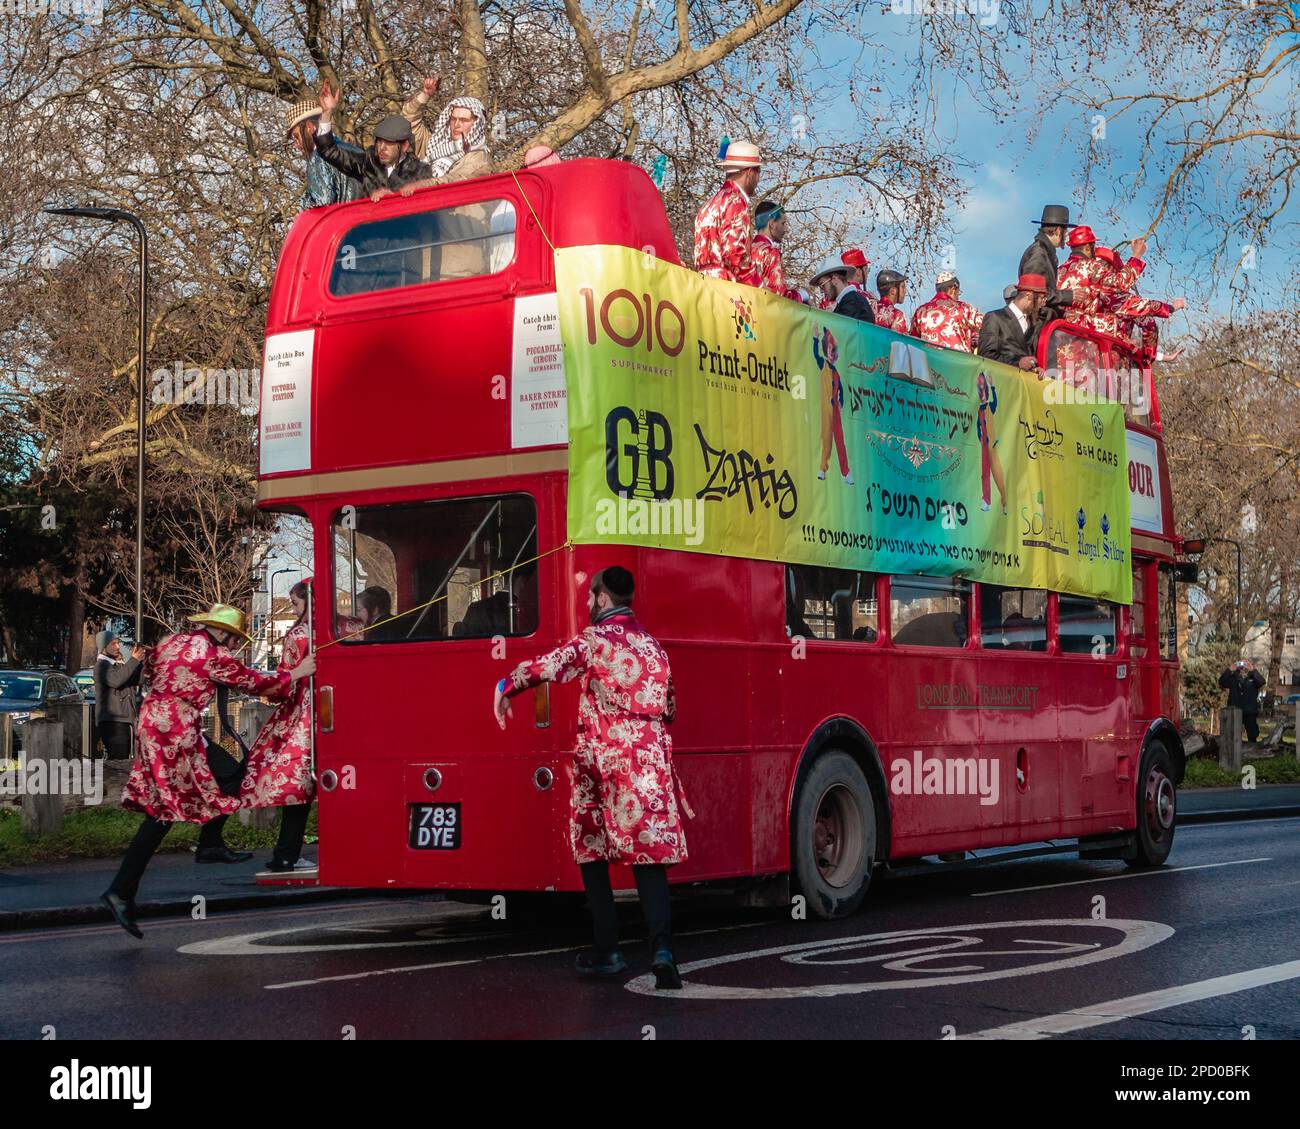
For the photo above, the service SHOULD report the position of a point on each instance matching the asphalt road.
(1207, 948)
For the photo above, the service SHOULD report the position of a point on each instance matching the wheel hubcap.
(1160, 803)
(838, 836)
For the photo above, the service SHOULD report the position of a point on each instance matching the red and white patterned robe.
(948, 321)
(1094, 284)
(170, 779)
(768, 270)
(889, 316)
(624, 803)
(724, 237)
(279, 763)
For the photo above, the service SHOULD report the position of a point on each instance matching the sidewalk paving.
(66, 893)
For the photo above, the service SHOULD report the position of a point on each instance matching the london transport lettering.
(816, 439)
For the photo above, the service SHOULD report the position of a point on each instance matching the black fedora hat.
(1055, 215)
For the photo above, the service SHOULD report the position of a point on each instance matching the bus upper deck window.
(929, 611)
(450, 243)
(1086, 626)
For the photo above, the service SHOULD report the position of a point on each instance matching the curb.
(1236, 815)
(17, 920)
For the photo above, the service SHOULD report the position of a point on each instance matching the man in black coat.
(117, 680)
(1243, 683)
(1010, 334)
(1040, 256)
(833, 278)
(382, 168)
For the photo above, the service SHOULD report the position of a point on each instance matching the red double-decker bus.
(411, 399)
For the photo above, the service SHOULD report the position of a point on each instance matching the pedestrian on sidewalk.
(1243, 683)
(279, 763)
(171, 780)
(625, 797)
(116, 682)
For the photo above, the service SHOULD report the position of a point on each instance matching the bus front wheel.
(834, 836)
(1157, 803)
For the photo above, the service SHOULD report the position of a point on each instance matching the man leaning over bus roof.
(382, 168)
(455, 149)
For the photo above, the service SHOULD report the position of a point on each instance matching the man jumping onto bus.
(625, 797)
(384, 167)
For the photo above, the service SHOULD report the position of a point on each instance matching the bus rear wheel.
(834, 836)
(1157, 807)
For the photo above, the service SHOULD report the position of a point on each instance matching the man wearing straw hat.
(723, 232)
(171, 780)
(325, 184)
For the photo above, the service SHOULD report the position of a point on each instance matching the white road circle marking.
(949, 941)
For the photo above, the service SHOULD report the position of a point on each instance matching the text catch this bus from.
(797, 435)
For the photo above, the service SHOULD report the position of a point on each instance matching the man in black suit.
(846, 298)
(1009, 335)
(1040, 256)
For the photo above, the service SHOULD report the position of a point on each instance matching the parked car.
(26, 694)
(1291, 699)
(85, 680)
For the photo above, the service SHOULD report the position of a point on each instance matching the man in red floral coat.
(625, 797)
(945, 319)
(769, 233)
(892, 288)
(723, 231)
(1092, 281)
(172, 780)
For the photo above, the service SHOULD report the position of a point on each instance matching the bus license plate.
(435, 827)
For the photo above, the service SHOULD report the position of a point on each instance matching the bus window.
(1087, 626)
(929, 611)
(1167, 615)
(446, 555)
(1013, 619)
(450, 243)
(830, 603)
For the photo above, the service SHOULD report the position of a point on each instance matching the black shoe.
(221, 854)
(665, 970)
(279, 866)
(593, 963)
(123, 912)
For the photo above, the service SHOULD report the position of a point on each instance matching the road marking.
(1116, 877)
(471, 960)
(1113, 1011)
(946, 942)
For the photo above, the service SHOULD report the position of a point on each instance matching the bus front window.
(456, 569)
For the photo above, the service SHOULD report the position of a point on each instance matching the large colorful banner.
(719, 418)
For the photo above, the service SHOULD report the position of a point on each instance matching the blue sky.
(1012, 177)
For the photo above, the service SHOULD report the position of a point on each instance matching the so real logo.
(1100, 547)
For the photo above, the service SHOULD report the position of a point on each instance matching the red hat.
(854, 258)
(1108, 255)
(1034, 283)
(1081, 235)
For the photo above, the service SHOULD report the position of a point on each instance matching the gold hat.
(224, 618)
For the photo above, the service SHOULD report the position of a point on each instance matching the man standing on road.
(625, 797)
(1243, 683)
(116, 680)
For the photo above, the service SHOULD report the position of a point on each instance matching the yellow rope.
(445, 595)
(532, 209)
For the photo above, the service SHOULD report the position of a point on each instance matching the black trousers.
(144, 845)
(651, 888)
(1250, 723)
(293, 826)
(115, 736)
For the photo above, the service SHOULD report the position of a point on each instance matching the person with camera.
(1243, 683)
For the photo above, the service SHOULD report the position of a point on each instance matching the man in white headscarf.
(456, 149)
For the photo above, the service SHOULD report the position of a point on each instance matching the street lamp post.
(113, 215)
